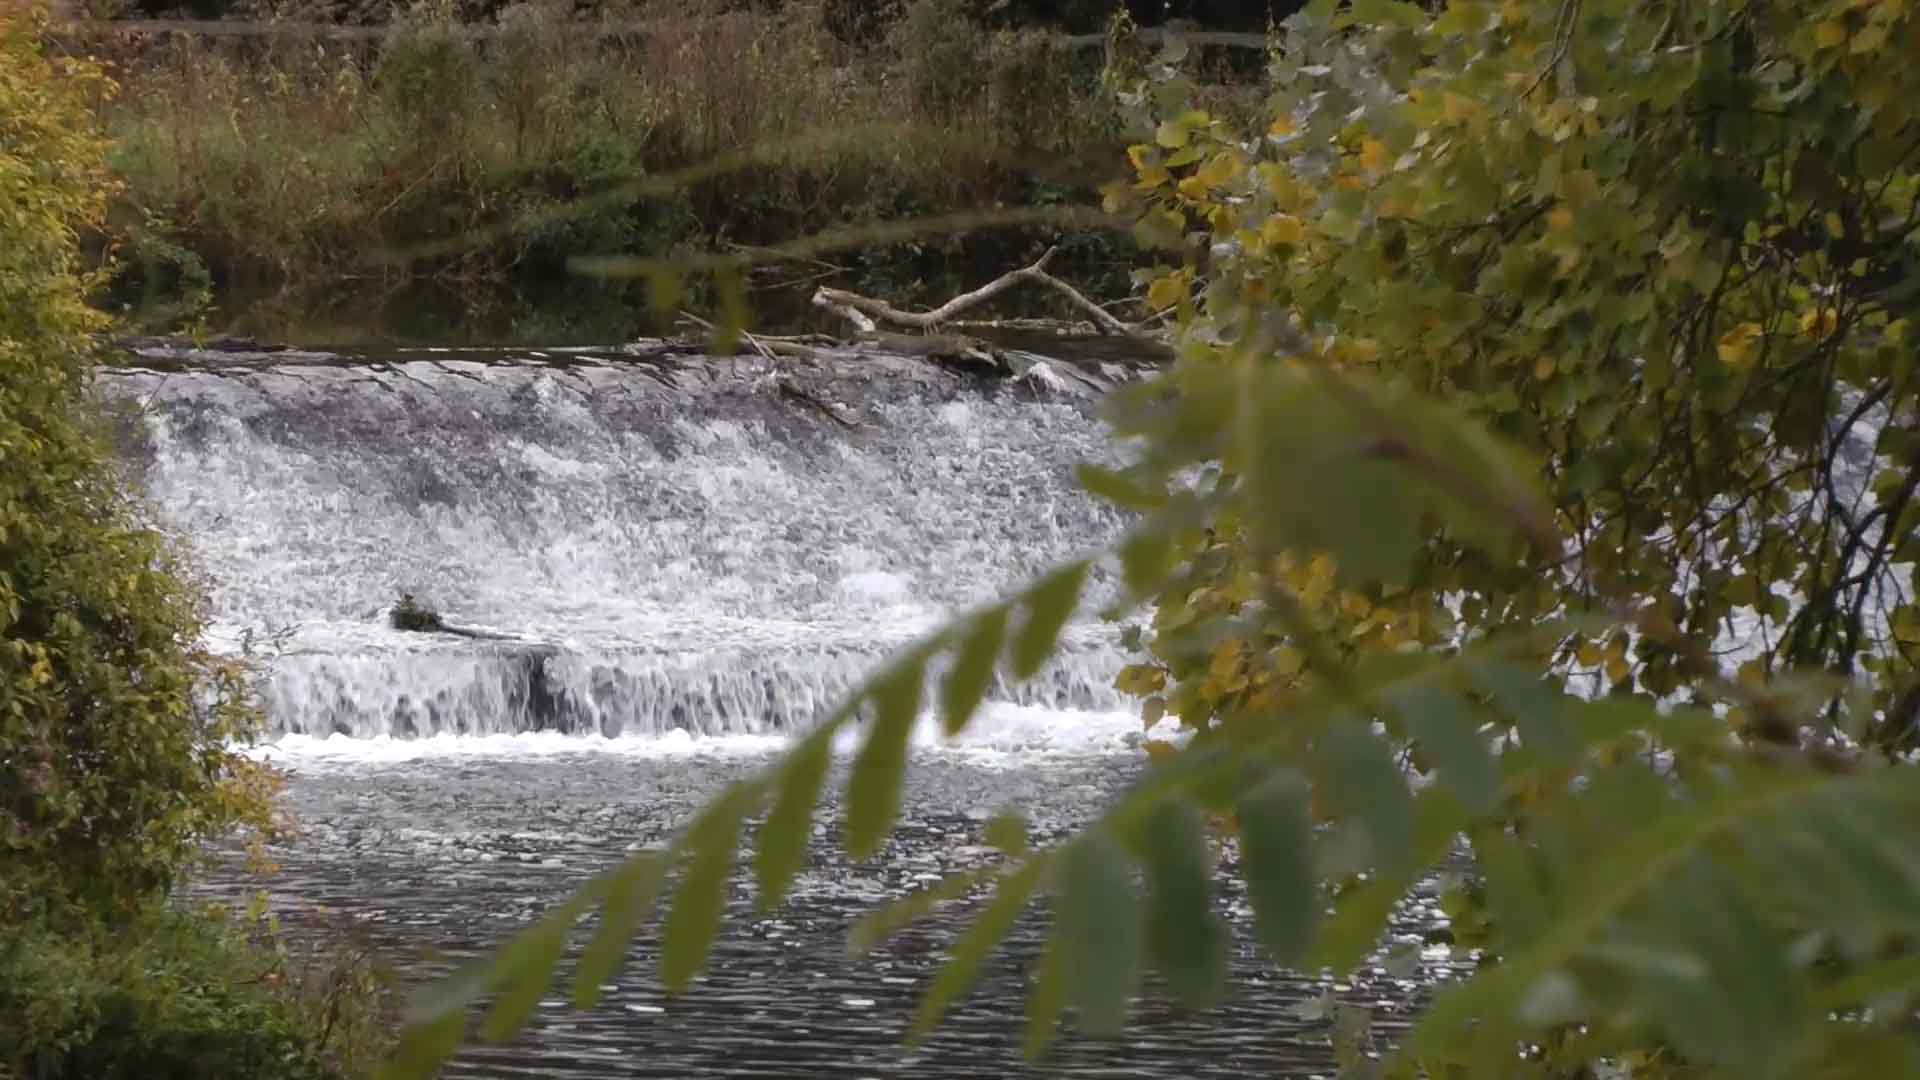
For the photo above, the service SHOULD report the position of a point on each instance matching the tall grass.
(328, 162)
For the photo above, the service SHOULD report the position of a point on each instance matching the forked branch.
(866, 313)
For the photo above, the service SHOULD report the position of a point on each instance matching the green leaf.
(1100, 930)
(1049, 605)
(1276, 857)
(972, 674)
(1360, 780)
(1144, 558)
(701, 900)
(1007, 831)
(1899, 976)
(451, 994)
(1610, 882)
(665, 288)
(731, 290)
(628, 894)
(1187, 939)
(962, 968)
(1513, 893)
(783, 836)
(889, 919)
(1537, 706)
(524, 969)
(1046, 1000)
(1118, 486)
(1357, 467)
(422, 1048)
(1361, 912)
(873, 789)
(1450, 736)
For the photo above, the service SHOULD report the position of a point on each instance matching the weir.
(668, 542)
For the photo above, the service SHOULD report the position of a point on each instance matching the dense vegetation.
(346, 168)
(117, 734)
(1542, 432)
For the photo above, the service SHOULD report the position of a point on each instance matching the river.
(686, 559)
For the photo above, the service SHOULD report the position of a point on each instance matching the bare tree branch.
(866, 312)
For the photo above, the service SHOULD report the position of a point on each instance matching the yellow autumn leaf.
(1171, 135)
(1278, 182)
(1739, 345)
(1374, 156)
(1282, 229)
(1193, 187)
(1166, 292)
(1282, 126)
(1225, 661)
(1457, 109)
(1560, 219)
(1220, 170)
(1835, 227)
(1819, 323)
(1138, 680)
(1287, 661)
(1152, 176)
(1543, 368)
(1140, 154)
(1588, 654)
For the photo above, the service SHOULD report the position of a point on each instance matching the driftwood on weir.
(867, 314)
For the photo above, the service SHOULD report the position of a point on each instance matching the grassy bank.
(352, 168)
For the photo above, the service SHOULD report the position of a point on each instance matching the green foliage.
(116, 728)
(1516, 353)
(942, 53)
(499, 158)
(175, 995)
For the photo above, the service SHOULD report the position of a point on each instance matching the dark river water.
(436, 857)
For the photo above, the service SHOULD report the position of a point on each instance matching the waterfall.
(712, 546)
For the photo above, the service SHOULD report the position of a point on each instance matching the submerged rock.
(409, 614)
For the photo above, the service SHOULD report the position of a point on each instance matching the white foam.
(1000, 733)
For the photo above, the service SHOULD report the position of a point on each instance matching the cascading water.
(697, 545)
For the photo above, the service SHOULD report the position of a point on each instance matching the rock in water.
(410, 615)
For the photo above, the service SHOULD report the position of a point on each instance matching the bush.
(114, 728)
(168, 994)
(943, 55)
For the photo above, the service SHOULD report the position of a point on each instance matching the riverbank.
(321, 178)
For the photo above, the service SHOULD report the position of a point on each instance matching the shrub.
(116, 730)
(943, 55)
(114, 727)
(168, 994)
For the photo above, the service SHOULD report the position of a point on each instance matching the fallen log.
(867, 313)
